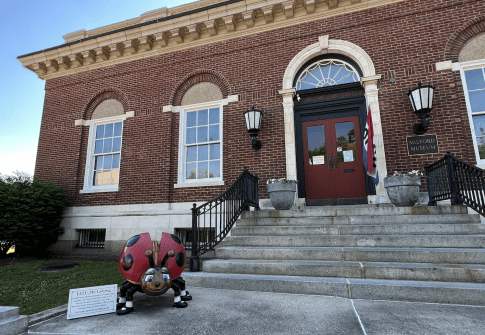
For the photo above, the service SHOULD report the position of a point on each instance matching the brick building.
(145, 117)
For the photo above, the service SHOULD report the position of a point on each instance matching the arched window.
(327, 72)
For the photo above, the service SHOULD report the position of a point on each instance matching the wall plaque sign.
(419, 145)
(89, 301)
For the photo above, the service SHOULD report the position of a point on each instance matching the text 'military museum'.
(145, 117)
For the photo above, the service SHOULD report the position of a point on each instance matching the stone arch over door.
(368, 81)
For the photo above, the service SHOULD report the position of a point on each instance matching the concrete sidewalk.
(216, 311)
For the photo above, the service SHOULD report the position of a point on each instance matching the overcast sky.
(32, 25)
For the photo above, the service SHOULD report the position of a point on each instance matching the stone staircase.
(11, 323)
(426, 254)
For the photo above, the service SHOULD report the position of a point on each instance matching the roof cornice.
(194, 24)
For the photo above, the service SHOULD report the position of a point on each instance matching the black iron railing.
(220, 214)
(451, 178)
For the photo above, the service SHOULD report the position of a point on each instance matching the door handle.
(335, 162)
(330, 166)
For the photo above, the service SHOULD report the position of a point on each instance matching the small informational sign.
(348, 155)
(419, 145)
(339, 149)
(89, 301)
(318, 160)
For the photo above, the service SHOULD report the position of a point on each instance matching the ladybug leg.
(177, 300)
(184, 295)
(122, 300)
(129, 300)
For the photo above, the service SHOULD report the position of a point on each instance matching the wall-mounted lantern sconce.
(253, 124)
(421, 98)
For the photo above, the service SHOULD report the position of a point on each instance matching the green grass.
(34, 292)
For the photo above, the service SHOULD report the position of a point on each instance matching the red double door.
(334, 171)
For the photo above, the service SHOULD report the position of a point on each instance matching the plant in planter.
(403, 189)
(282, 192)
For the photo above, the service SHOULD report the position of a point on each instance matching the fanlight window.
(327, 72)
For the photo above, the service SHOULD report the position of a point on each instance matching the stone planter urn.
(282, 195)
(403, 190)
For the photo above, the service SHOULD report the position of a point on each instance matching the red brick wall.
(404, 41)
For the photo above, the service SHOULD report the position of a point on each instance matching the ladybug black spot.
(133, 240)
(175, 238)
(180, 259)
(127, 262)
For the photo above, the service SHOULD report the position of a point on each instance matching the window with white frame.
(474, 87)
(103, 155)
(200, 158)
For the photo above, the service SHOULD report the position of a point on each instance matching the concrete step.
(353, 288)
(9, 312)
(403, 229)
(14, 326)
(366, 210)
(370, 254)
(400, 241)
(350, 269)
(361, 220)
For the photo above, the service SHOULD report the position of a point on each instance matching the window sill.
(100, 190)
(202, 184)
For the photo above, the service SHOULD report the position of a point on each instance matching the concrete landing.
(217, 311)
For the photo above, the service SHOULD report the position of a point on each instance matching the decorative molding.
(232, 98)
(225, 22)
(446, 65)
(82, 122)
(323, 40)
(370, 78)
(212, 183)
(167, 108)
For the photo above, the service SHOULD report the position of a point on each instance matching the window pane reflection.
(191, 171)
(214, 169)
(345, 139)
(202, 118)
(191, 154)
(479, 125)
(202, 173)
(475, 79)
(316, 145)
(477, 101)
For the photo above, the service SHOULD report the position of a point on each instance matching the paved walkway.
(214, 311)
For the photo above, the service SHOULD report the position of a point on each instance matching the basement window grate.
(91, 238)
(185, 235)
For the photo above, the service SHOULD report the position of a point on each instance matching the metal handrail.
(452, 178)
(220, 214)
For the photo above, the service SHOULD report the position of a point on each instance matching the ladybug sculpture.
(152, 268)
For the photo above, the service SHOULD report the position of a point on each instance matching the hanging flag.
(369, 150)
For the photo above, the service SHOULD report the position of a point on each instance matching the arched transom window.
(327, 72)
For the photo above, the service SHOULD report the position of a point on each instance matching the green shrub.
(30, 214)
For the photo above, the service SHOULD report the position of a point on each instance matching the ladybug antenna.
(149, 254)
(170, 253)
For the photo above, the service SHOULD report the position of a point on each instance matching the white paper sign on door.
(318, 160)
(348, 156)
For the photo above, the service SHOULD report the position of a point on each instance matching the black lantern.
(421, 98)
(253, 124)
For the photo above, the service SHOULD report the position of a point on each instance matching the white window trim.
(88, 176)
(463, 67)
(181, 181)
